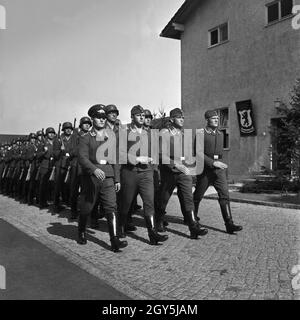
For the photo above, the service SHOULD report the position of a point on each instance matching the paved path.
(33, 271)
(254, 264)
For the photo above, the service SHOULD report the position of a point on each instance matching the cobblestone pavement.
(255, 264)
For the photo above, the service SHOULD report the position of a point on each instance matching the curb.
(259, 202)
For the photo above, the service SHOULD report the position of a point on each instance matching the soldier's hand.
(118, 186)
(99, 174)
(183, 169)
(45, 148)
(220, 165)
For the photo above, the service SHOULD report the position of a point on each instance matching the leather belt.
(217, 157)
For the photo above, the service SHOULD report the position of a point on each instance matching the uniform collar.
(174, 131)
(211, 131)
(110, 125)
(134, 128)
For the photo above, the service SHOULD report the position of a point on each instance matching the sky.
(59, 57)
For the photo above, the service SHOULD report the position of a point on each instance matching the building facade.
(238, 54)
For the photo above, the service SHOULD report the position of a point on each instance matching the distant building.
(242, 58)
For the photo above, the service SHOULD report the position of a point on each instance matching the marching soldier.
(214, 172)
(177, 175)
(47, 169)
(62, 147)
(75, 174)
(137, 178)
(31, 172)
(112, 114)
(100, 180)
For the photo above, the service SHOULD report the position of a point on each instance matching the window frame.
(279, 12)
(219, 35)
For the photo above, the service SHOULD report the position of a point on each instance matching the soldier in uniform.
(137, 178)
(30, 159)
(46, 157)
(214, 172)
(62, 150)
(75, 174)
(112, 114)
(177, 175)
(35, 180)
(100, 179)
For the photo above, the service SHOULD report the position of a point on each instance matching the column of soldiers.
(65, 168)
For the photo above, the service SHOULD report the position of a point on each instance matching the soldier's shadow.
(71, 232)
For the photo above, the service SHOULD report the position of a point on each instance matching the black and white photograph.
(149, 153)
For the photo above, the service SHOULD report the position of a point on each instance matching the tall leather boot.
(195, 228)
(154, 237)
(226, 213)
(160, 220)
(82, 221)
(196, 204)
(116, 244)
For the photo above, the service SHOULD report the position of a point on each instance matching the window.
(218, 35)
(224, 125)
(278, 10)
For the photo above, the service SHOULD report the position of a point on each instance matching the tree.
(289, 134)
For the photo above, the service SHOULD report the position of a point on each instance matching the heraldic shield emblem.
(245, 118)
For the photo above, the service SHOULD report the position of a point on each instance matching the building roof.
(175, 26)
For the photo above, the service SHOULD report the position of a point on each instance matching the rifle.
(28, 173)
(74, 125)
(58, 132)
(67, 175)
(37, 174)
(52, 176)
(21, 175)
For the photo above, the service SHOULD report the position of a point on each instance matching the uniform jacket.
(87, 150)
(138, 167)
(213, 146)
(46, 157)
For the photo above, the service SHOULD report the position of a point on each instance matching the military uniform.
(63, 150)
(75, 174)
(46, 157)
(137, 178)
(30, 159)
(172, 177)
(213, 151)
(94, 190)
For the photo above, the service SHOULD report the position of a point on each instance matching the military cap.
(67, 125)
(210, 113)
(50, 130)
(111, 108)
(148, 113)
(136, 110)
(39, 133)
(176, 113)
(97, 111)
(85, 120)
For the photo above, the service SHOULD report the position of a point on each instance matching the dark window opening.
(273, 12)
(214, 37)
(286, 8)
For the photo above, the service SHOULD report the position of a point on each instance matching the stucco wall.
(258, 63)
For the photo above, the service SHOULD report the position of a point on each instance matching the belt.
(217, 157)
